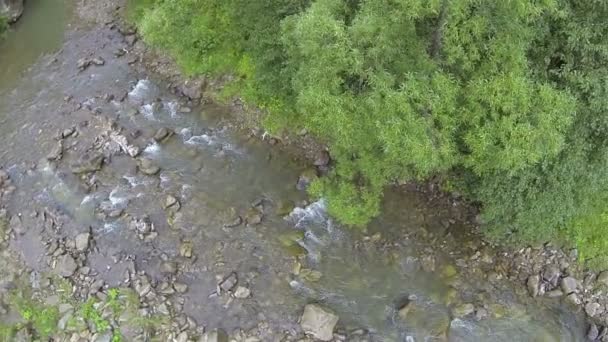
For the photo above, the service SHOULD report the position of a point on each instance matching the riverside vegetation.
(503, 102)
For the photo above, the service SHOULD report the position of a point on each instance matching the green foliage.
(42, 319)
(505, 100)
(89, 311)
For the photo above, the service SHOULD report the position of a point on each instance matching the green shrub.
(505, 100)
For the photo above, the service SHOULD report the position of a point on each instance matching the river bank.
(134, 211)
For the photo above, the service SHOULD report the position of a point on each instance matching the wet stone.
(148, 167)
(88, 162)
(254, 217)
(552, 274)
(592, 309)
(318, 322)
(162, 134)
(172, 203)
(569, 285)
(228, 283)
(82, 241)
(554, 293)
(463, 310)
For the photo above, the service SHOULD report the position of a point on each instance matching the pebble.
(242, 292)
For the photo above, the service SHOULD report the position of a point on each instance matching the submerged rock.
(242, 292)
(228, 283)
(88, 162)
(318, 322)
(148, 167)
(162, 134)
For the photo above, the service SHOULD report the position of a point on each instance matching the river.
(291, 258)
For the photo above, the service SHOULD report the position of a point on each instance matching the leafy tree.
(505, 99)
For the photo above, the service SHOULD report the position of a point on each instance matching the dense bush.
(505, 100)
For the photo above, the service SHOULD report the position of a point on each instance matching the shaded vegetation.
(505, 101)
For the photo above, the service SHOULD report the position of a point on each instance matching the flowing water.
(287, 260)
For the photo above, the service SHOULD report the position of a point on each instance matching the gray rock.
(148, 167)
(593, 332)
(88, 162)
(181, 288)
(66, 266)
(192, 89)
(57, 152)
(552, 274)
(168, 267)
(131, 39)
(216, 335)
(592, 309)
(16, 225)
(82, 241)
(602, 278)
(533, 285)
(242, 292)
(463, 310)
(573, 299)
(172, 202)
(103, 337)
(318, 322)
(63, 321)
(322, 159)
(12, 9)
(569, 285)
(229, 282)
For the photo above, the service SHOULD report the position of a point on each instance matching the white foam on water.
(133, 181)
(117, 200)
(152, 148)
(147, 111)
(109, 227)
(141, 89)
(202, 139)
(186, 133)
(173, 108)
(313, 213)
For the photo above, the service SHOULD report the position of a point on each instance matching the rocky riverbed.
(137, 209)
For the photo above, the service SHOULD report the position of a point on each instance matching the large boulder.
(12, 9)
(319, 322)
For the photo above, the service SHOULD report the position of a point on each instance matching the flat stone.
(242, 292)
(168, 267)
(66, 266)
(318, 322)
(148, 167)
(228, 283)
(88, 162)
(179, 287)
(573, 299)
(162, 134)
(82, 241)
(569, 285)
